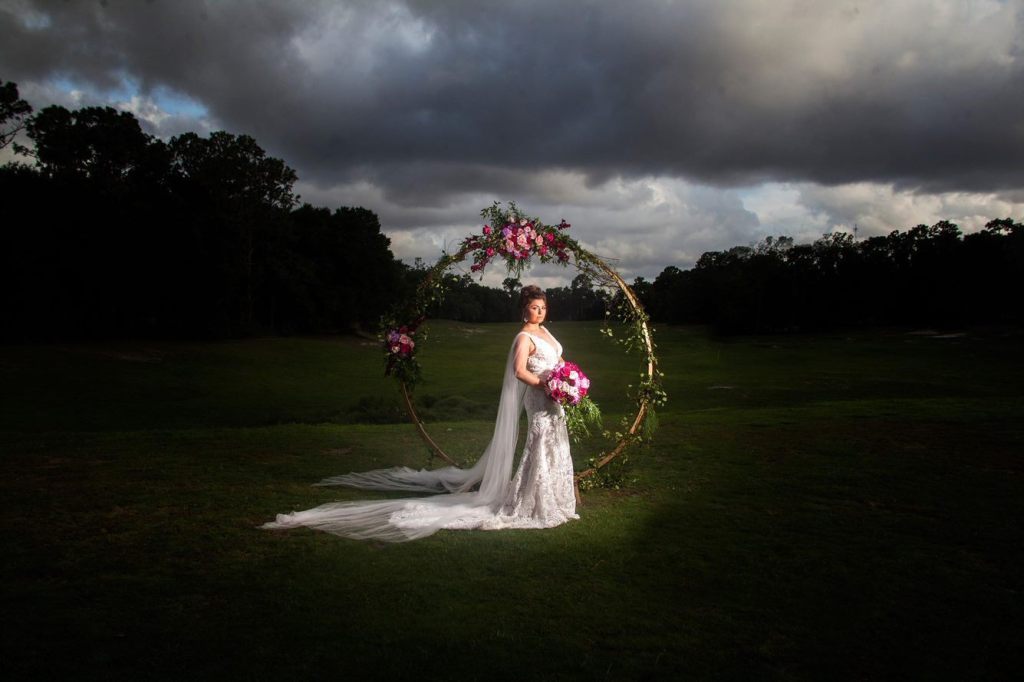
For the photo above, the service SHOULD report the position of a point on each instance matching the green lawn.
(842, 506)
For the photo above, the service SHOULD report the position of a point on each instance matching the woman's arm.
(523, 347)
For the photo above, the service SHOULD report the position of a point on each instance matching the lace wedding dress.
(539, 495)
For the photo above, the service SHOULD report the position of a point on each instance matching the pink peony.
(567, 384)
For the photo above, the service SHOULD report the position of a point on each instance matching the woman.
(540, 495)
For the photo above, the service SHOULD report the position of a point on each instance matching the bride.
(540, 495)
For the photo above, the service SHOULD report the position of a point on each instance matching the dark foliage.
(932, 276)
(468, 301)
(13, 113)
(115, 233)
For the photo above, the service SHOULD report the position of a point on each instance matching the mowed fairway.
(842, 506)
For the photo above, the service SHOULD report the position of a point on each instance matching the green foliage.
(616, 475)
(582, 417)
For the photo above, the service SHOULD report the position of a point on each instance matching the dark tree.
(116, 233)
(13, 113)
(928, 275)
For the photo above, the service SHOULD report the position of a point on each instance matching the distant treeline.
(926, 276)
(112, 232)
(932, 276)
(469, 301)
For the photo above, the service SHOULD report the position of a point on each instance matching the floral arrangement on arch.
(516, 238)
(399, 345)
(509, 235)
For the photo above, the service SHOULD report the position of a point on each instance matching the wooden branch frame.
(584, 260)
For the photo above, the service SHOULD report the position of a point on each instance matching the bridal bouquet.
(569, 386)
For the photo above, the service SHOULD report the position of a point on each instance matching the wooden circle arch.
(644, 400)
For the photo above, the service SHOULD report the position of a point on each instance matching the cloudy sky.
(659, 129)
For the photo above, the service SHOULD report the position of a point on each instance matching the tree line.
(111, 232)
(927, 275)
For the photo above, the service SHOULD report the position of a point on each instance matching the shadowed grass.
(820, 507)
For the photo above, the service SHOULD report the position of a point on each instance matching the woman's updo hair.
(531, 292)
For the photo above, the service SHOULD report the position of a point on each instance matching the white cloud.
(877, 209)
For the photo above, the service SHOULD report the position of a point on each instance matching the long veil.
(458, 505)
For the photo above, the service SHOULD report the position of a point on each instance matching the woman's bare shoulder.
(522, 338)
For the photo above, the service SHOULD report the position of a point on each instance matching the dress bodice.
(545, 356)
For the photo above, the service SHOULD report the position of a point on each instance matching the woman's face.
(536, 311)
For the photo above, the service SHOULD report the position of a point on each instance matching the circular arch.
(400, 345)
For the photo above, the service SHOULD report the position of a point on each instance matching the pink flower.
(490, 251)
(487, 229)
(567, 384)
(550, 237)
(543, 249)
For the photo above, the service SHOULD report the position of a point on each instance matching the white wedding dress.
(539, 495)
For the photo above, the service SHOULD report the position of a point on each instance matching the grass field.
(843, 506)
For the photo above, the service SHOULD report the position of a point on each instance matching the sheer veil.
(458, 505)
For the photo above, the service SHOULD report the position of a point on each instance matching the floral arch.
(514, 238)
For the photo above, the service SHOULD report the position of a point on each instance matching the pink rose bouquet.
(569, 386)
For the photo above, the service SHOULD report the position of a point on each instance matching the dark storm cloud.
(427, 98)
